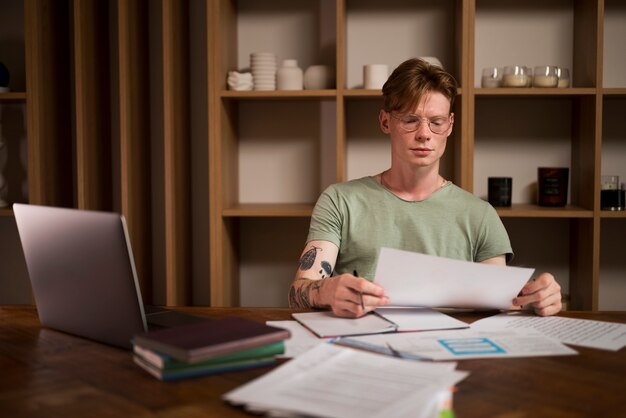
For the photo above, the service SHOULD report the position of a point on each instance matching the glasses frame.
(420, 120)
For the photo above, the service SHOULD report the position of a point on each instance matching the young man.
(409, 206)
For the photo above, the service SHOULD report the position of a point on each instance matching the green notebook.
(200, 369)
(165, 362)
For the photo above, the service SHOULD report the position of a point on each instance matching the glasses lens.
(411, 124)
(439, 125)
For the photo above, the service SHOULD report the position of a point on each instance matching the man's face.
(422, 147)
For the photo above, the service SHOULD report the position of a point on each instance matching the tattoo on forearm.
(302, 291)
(326, 268)
(308, 258)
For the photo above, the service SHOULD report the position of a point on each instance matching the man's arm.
(317, 263)
(345, 294)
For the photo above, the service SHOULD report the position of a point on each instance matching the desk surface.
(51, 374)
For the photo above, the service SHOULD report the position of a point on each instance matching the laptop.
(83, 275)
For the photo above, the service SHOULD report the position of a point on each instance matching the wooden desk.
(45, 373)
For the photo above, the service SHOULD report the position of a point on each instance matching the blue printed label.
(471, 346)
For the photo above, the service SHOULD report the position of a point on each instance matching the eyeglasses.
(411, 123)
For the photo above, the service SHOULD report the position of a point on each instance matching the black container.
(552, 185)
(500, 191)
(612, 199)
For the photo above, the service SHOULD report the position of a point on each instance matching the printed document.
(414, 279)
(301, 339)
(339, 382)
(463, 344)
(581, 332)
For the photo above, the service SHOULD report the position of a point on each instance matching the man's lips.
(422, 150)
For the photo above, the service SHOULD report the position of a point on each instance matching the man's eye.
(438, 122)
(410, 121)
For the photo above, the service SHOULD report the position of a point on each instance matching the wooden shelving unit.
(584, 99)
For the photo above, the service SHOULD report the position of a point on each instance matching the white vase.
(289, 76)
(375, 76)
(319, 77)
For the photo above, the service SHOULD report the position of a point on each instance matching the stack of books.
(210, 347)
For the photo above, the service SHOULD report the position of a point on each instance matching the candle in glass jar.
(545, 81)
(545, 76)
(488, 82)
(529, 76)
(491, 77)
(515, 80)
(563, 74)
(515, 76)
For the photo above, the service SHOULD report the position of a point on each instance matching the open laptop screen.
(82, 272)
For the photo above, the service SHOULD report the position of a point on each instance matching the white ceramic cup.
(374, 76)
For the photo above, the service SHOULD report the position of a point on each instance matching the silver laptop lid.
(82, 272)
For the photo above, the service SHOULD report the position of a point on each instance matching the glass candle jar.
(515, 76)
(563, 75)
(492, 77)
(545, 76)
(611, 194)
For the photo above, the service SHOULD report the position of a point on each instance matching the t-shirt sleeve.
(494, 240)
(326, 220)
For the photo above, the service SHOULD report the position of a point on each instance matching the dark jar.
(552, 186)
(500, 191)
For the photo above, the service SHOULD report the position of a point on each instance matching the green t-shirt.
(361, 216)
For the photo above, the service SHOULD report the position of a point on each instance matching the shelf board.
(613, 214)
(303, 94)
(368, 93)
(614, 91)
(278, 94)
(533, 91)
(17, 96)
(534, 211)
(302, 210)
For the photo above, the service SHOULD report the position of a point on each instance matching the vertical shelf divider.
(135, 134)
(176, 165)
(340, 86)
(92, 109)
(464, 158)
(223, 173)
(48, 105)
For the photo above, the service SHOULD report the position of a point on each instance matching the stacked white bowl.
(263, 67)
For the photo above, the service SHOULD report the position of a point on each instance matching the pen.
(360, 294)
(395, 352)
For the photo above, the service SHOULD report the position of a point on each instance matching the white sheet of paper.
(301, 339)
(583, 332)
(333, 381)
(466, 344)
(414, 279)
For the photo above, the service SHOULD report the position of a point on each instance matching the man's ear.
(383, 120)
(451, 124)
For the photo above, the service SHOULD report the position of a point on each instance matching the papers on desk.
(582, 332)
(463, 344)
(300, 340)
(413, 279)
(332, 381)
(326, 324)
